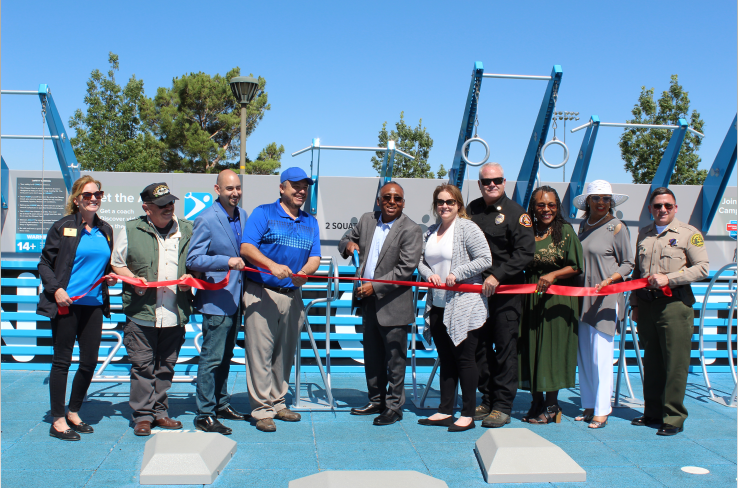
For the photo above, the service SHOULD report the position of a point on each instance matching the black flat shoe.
(67, 435)
(388, 417)
(81, 427)
(211, 424)
(643, 421)
(368, 409)
(459, 428)
(230, 414)
(668, 429)
(448, 421)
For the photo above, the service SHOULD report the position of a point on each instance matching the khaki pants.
(272, 325)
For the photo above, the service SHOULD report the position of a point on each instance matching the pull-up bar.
(7, 136)
(645, 126)
(385, 176)
(516, 77)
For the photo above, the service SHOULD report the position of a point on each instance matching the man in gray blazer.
(390, 246)
(214, 250)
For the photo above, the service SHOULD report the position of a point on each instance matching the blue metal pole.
(5, 177)
(669, 159)
(314, 174)
(458, 166)
(579, 175)
(62, 146)
(529, 168)
(718, 177)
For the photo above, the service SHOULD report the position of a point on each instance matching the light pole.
(566, 116)
(244, 88)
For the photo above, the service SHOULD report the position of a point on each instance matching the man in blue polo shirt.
(283, 241)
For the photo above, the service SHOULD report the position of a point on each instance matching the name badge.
(70, 232)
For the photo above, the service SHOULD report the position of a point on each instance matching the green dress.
(547, 348)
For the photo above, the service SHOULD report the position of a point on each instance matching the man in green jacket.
(154, 247)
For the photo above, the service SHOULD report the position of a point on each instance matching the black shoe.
(668, 429)
(642, 421)
(368, 409)
(448, 421)
(459, 428)
(481, 412)
(211, 424)
(82, 427)
(388, 417)
(67, 435)
(230, 414)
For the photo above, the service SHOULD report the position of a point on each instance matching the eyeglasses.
(450, 203)
(166, 205)
(542, 206)
(604, 198)
(667, 206)
(488, 181)
(87, 196)
(396, 198)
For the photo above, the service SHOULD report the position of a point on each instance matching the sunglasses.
(87, 196)
(450, 203)
(395, 198)
(542, 206)
(667, 206)
(488, 181)
(597, 198)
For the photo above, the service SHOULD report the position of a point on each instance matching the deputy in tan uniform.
(668, 252)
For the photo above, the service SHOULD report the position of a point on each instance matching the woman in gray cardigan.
(607, 259)
(456, 251)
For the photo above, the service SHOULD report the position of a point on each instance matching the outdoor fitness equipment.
(529, 168)
(315, 148)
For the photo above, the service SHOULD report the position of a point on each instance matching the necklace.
(592, 225)
(542, 234)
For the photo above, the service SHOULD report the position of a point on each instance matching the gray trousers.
(272, 326)
(385, 358)
(153, 353)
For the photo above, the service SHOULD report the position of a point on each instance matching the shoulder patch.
(697, 240)
(525, 220)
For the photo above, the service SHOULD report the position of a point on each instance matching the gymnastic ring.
(466, 145)
(566, 154)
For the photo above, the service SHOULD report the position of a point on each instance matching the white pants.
(595, 359)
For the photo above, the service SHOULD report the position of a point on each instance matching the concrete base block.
(185, 458)
(521, 456)
(367, 479)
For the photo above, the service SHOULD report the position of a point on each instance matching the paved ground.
(620, 455)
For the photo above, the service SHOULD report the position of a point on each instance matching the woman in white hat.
(608, 258)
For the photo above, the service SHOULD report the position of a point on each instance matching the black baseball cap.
(158, 194)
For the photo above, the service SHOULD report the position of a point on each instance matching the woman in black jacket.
(76, 254)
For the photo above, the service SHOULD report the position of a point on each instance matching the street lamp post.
(244, 88)
(566, 116)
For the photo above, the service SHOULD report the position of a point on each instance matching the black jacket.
(57, 260)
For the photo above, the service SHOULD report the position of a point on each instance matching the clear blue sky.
(337, 70)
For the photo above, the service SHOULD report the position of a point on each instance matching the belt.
(277, 289)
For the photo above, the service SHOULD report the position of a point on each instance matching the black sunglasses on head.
(487, 181)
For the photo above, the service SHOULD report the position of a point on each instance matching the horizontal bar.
(19, 92)
(352, 148)
(516, 77)
(695, 132)
(645, 126)
(302, 151)
(7, 136)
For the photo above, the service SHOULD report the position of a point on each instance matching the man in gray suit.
(390, 246)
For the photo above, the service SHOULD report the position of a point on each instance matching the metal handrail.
(733, 293)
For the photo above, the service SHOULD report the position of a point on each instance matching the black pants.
(84, 325)
(385, 359)
(458, 364)
(497, 353)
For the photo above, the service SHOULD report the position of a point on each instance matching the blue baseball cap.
(294, 174)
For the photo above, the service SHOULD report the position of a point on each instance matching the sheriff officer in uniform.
(509, 232)
(670, 253)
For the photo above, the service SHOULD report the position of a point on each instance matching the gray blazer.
(397, 261)
(471, 256)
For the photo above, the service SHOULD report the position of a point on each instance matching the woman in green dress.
(547, 348)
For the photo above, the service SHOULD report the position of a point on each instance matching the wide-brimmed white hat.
(599, 187)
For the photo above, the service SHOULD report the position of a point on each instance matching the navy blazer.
(211, 246)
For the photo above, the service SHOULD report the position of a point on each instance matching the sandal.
(596, 424)
(535, 411)
(551, 414)
(585, 417)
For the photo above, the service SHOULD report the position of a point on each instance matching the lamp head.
(244, 88)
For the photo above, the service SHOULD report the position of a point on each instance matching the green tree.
(198, 121)
(643, 148)
(268, 162)
(110, 135)
(414, 141)
(441, 172)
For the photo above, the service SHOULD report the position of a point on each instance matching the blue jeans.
(218, 340)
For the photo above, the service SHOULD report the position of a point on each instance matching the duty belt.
(278, 289)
